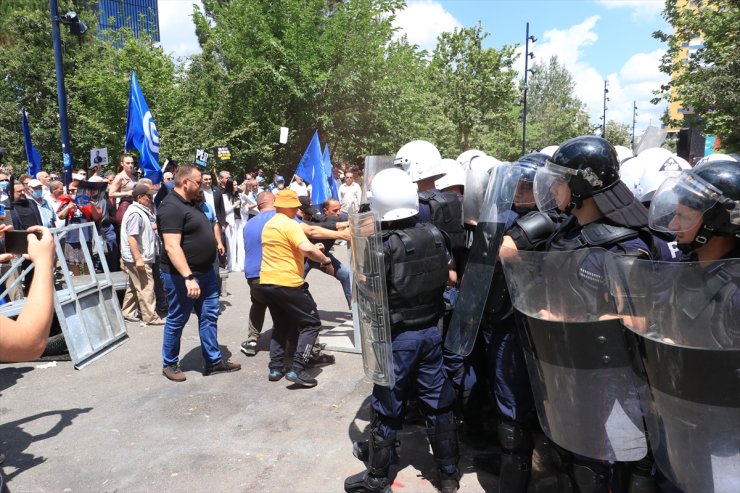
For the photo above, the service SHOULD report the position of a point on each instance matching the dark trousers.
(294, 316)
(257, 310)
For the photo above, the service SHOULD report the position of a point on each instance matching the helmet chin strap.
(704, 234)
(575, 203)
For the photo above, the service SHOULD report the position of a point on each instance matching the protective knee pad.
(591, 477)
(514, 437)
(516, 458)
(382, 447)
(442, 433)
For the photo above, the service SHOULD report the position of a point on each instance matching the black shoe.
(447, 483)
(321, 360)
(301, 378)
(249, 348)
(276, 375)
(362, 482)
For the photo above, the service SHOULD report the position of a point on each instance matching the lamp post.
(634, 120)
(527, 56)
(78, 28)
(603, 118)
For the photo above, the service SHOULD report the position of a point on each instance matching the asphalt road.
(119, 425)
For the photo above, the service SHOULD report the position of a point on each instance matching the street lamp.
(77, 28)
(634, 119)
(527, 70)
(603, 123)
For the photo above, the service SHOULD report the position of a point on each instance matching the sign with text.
(201, 157)
(222, 154)
(99, 157)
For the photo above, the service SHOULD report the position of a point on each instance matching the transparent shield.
(683, 319)
(476, 184)
(373, 165)
(577, 353)
(371, 298)
(476, 282)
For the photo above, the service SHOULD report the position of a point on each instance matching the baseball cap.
(140, 190)
(279, 178)
(287, 199)
(35, 183)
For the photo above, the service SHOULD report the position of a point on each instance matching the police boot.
(562, 462)
(443, 439)
(516, 457)
(375, 478)
(361, 450)
(591, 477)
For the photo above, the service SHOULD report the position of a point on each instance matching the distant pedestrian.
(189, 276)
(350, 193)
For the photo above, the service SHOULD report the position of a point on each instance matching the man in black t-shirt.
(190, 279)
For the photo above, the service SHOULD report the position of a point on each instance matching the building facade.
(141, 16)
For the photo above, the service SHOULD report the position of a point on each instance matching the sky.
(595, 40)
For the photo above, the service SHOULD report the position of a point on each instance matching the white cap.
(35, 183)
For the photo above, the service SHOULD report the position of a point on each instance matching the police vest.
(602, 235)
(447, 216)
(417, 276)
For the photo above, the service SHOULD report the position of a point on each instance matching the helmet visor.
(680, 203)
(550, 186)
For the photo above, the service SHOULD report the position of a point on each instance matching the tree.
(618, 134)
(706, 81)
(476, 84)
(554, 113)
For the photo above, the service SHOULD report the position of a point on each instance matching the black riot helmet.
(712, 189)
(589, 165)
(529, 163)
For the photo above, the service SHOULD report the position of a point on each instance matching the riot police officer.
(416, 272)
(581, 179)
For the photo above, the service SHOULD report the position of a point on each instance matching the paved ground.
(119, 425)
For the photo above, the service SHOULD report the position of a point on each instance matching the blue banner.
(141, 133)
(311, 169)
(329, 171)
(32, 154)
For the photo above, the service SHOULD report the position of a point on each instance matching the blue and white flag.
(329, 171)
(311, 169)
(141, 133)
(32, 154)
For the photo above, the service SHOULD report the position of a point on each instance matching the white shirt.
(208, 196)
(299, 188)
(349, 195)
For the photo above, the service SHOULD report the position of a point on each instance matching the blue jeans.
(341, 272)
(178, 314)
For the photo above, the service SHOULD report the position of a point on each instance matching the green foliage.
(705, 83)
(476, 84)
(554, 113)
(618, 134)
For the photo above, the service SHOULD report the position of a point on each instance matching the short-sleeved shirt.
(177, 215)
(282, 260)
(253, 243)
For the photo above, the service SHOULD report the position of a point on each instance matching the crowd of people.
(507, 284)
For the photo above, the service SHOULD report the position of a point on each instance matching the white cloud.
(645, 10)
(635, 81)
(422, 21)
(176, 28)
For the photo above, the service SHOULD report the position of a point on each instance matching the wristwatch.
(190, 277)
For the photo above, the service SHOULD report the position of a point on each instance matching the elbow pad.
(531, 230)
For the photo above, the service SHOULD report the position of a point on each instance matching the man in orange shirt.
(293, 310)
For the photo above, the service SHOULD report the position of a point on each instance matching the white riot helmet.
(549, 150)
(454, 175)
(483, 163)
(394, 196)
(623, 153)
(655, 173)
(630, 172)
(718, 157)
(466, 157)
(420, 159)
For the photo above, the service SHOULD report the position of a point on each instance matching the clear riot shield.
(489, 233)
(373, 165)
(577, 353)
(476, 184)
(684, 322)
(371, 298)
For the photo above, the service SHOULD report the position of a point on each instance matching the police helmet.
(655, 172)
(394, 196)
(710, 196)
(549, 150)
(623, 153)
(466, 157)
(529, 164)
(454, 175)
(420, 159)
(590, 168)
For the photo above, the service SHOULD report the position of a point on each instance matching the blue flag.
(311, 169)
(141, 133)
(32, 154)
(329, 171)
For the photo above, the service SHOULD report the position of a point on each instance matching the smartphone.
(17, 241)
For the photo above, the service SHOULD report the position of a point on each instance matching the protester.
(189, 277)
(139, 248)
(284, 249)
(350, 193)
(123, 184)
(48, 216)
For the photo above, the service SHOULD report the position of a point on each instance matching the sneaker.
(157, 321)
(130, 319)
(225, 366)
(174, 373)
(322, 359)
(249, 348)
(301, 378)
(276, 375)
